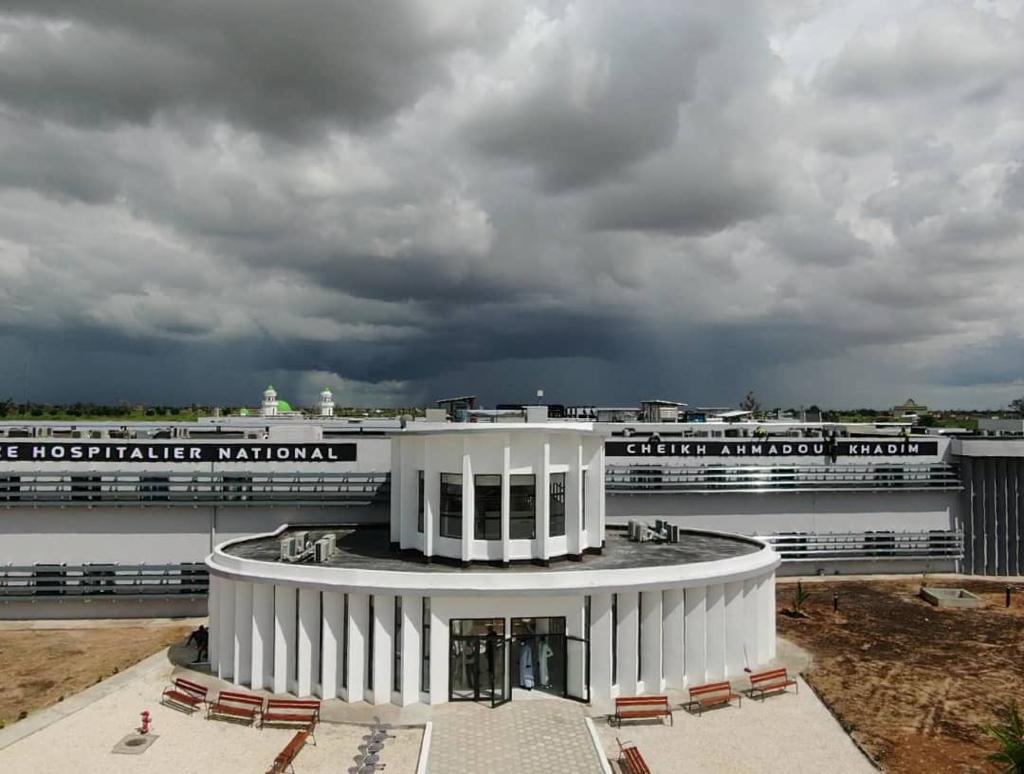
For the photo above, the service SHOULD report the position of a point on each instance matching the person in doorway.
(544, 653)
(526, 677)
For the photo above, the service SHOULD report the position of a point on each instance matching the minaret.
(270, 402)
(326, 403)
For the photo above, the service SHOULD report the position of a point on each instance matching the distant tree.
(750, 403)
(1009, 733)
(1017, 406)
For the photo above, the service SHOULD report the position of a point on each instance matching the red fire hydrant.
(145, 722)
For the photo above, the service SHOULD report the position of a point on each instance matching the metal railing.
(871, 545)
(766, 479)
(104, 581)
(158, 488)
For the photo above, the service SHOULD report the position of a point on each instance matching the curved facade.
(369, 622)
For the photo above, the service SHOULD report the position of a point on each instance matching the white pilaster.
(226, 621)
(736, 655)
(651, 641)
(695, 635)
(716, 632)
(628, 604)
(601, 647)
(358, 627)
(243, 633)
(467, 503)
(284, 638)
(673, 615)
(751, 621)
(543, 484)
(438, 658)
(308, 641)
(506, 499)
(262, 636)
(383, 647)
(573, 502)
(332, 629)
(769, 605)
(398, 496)
(432, 496)
(412, 633)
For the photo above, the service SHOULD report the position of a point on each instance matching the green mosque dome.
(283, 405)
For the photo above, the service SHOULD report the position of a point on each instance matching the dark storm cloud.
(278, 67)
(611, 201)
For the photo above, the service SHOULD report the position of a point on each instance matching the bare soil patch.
(913, 683)
(38, 667)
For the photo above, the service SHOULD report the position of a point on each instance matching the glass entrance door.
(577, 660)
(477, 660)
(538, 655)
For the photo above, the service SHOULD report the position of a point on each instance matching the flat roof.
(368, 547)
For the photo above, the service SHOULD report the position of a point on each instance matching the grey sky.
(821, 201)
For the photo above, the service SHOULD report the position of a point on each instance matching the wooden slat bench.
(630, 757)
(231, 705)
(286, 758)
(711, 694)
(184, 694)
(291, 712)
(770, 681)
(633, 707)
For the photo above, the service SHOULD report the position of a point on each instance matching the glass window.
(451, 505)
(419, 505)
(396, 670)
(487, 504)
(425, 648)
(583, 502)
(523, 507)
(369, 649)
(615, 639)
(556, 497)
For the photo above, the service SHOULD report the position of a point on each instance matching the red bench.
(184, 694)
(285, 759)
(301, 712)
(770, 681)
(631, 759)
(711, 694)
(235, 706)
(632, 707)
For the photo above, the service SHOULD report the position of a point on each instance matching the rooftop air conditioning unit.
(301, 540)
(322, 550)
(287, 546)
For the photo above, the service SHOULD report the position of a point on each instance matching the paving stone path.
(528, 736)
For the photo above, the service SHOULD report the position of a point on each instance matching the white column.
(506, 499)
(542, 481)
(695, 635)
(673, 614)
(358, 627)
(412, 633)
(597, 473)
(651, 641)
(769, 605)
(751, 622)
(601, 647)
(467, 504)
(628, 603)
(213, 625)
(576, 666)
(243, 633)
(398, 496)
(308, 641)
(331, 627)
(439, 651)
(573, 500)
(432, 498)
(226, 621)
(284, 638)
(383, 647)
(716, 632)
(736, 656)
(262, 636)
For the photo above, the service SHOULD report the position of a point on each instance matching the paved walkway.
(530, 736)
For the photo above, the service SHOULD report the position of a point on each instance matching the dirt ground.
(913, 683)
(39, 667)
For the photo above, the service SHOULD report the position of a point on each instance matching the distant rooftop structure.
(910, 406)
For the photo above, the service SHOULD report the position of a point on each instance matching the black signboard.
(171, 453)
(796, 447)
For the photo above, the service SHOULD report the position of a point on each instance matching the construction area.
(914, 684)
